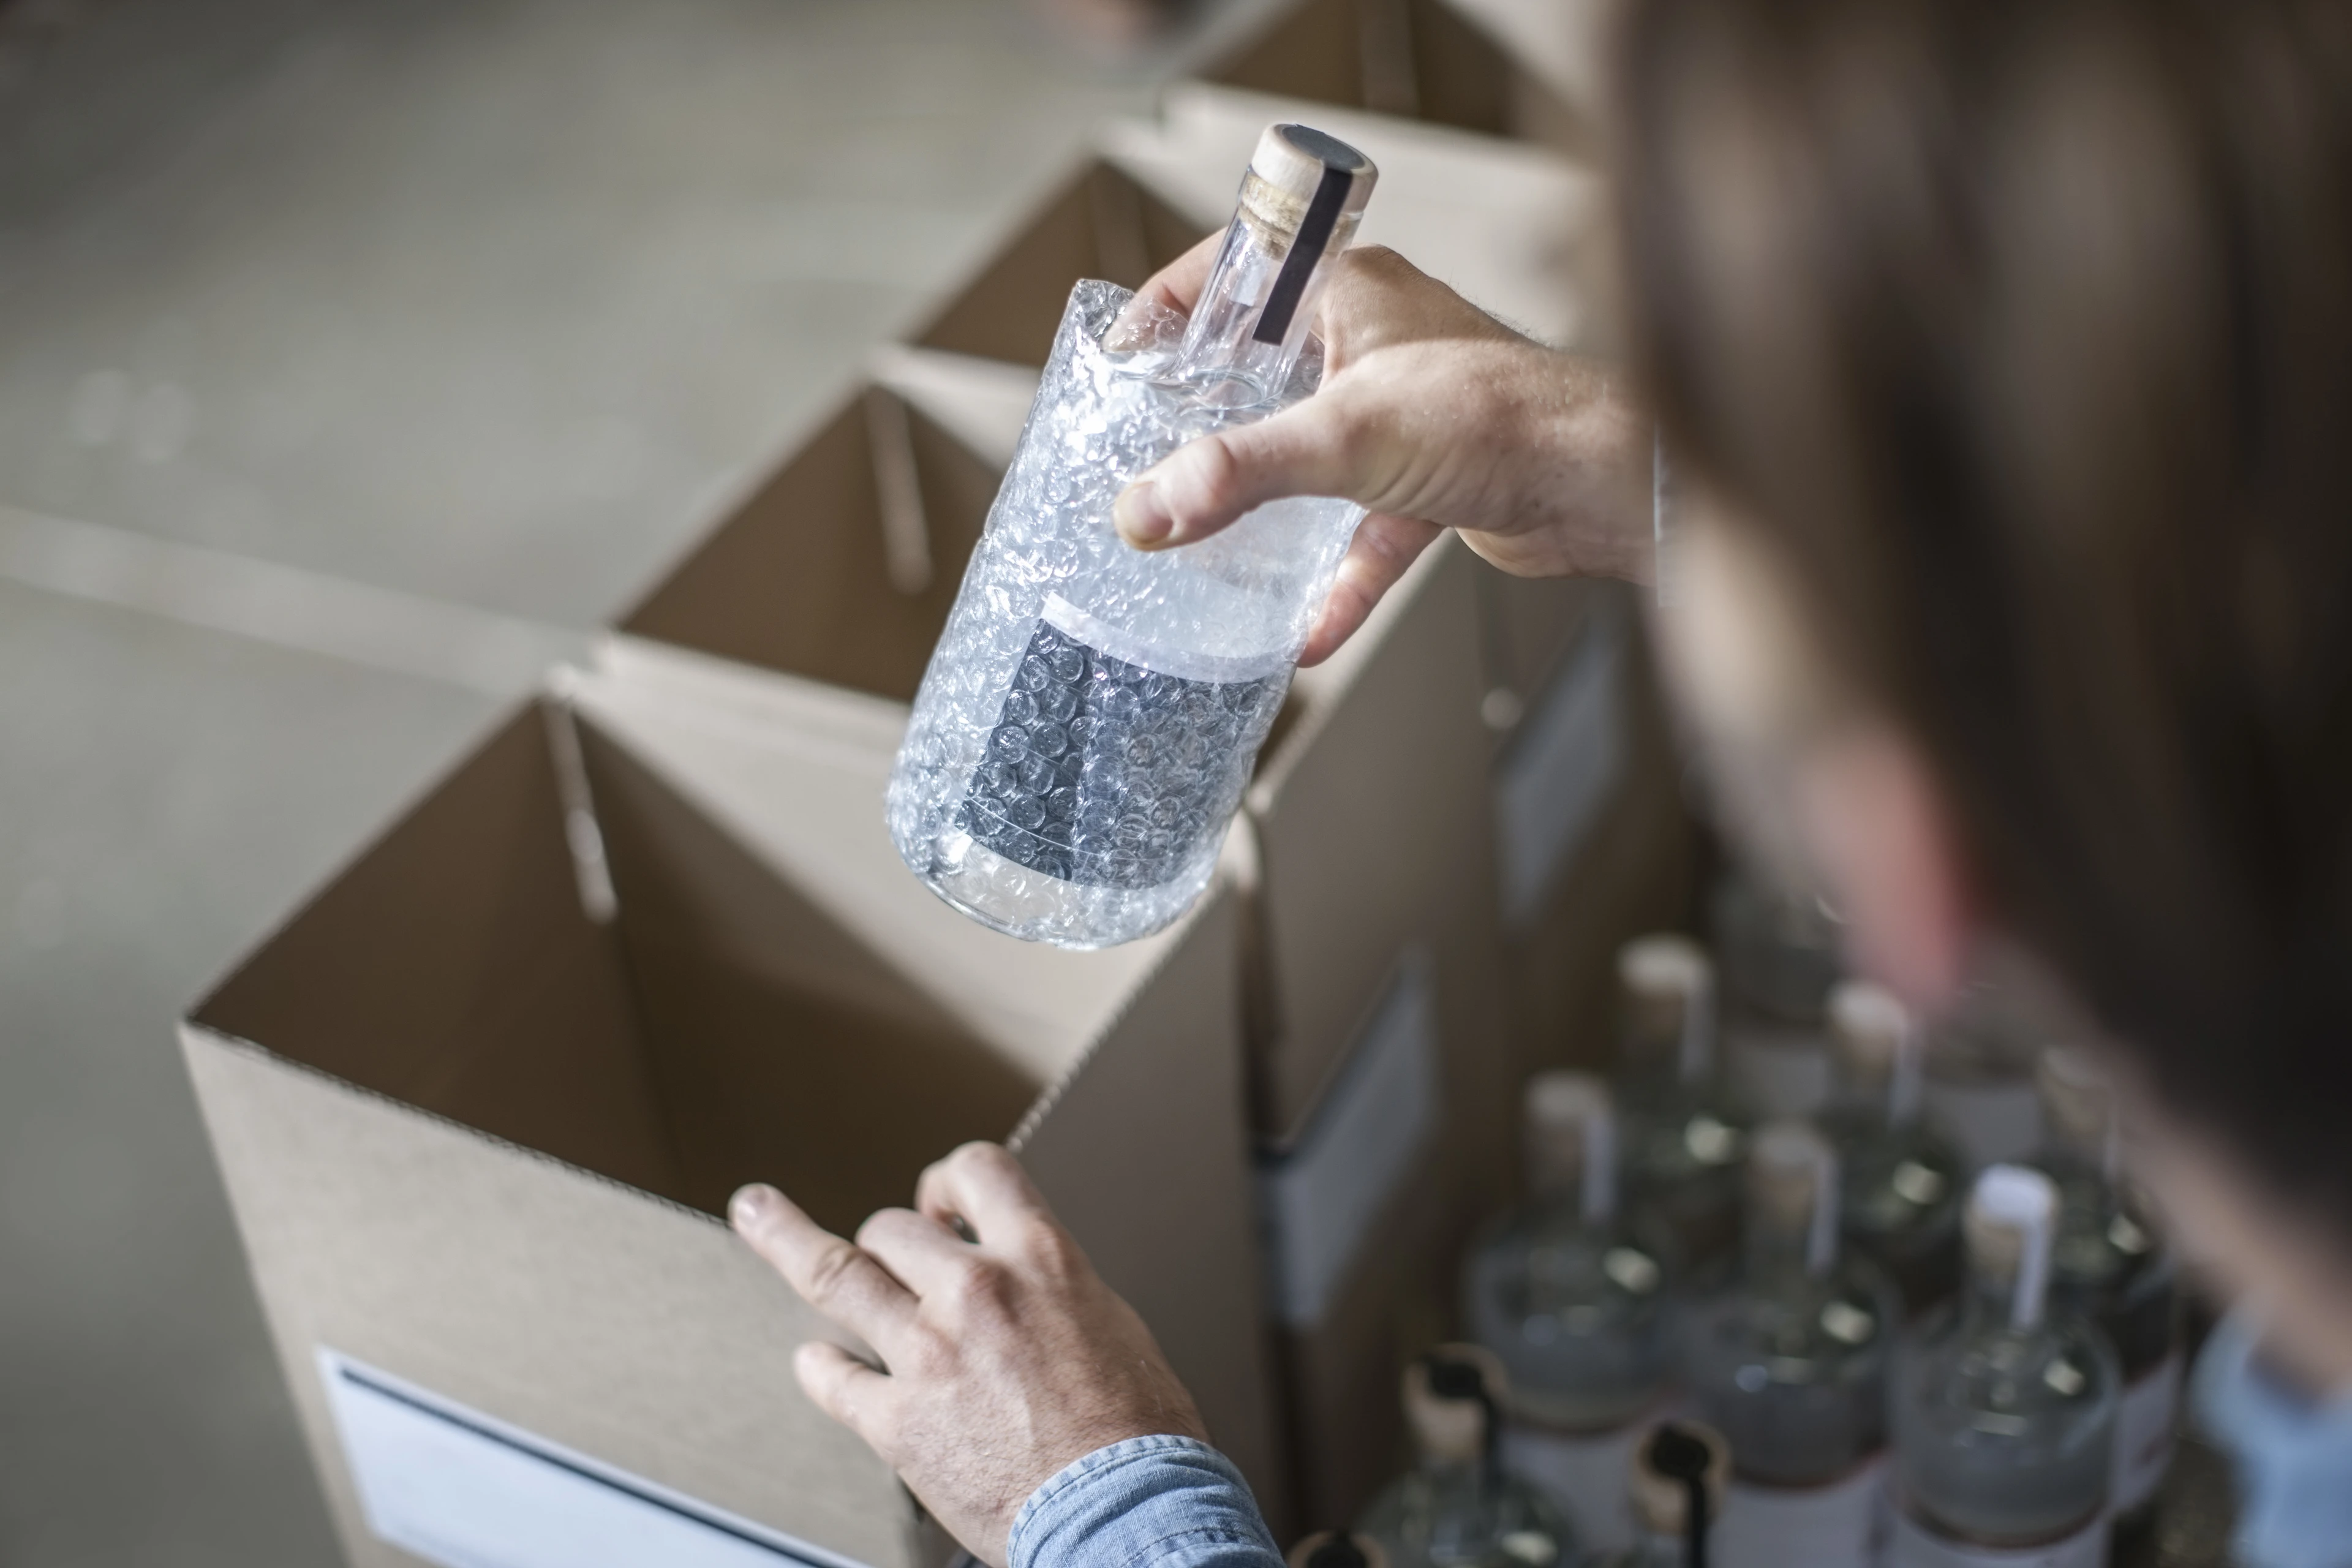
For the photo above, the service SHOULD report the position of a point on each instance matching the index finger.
(985, 1187)
(844, 1282)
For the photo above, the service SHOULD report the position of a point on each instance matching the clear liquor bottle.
(2005, 1410)
(2109, 1263)
(1903, 1182)
(1460, 1506)
(1780, 957)
(1684, 1133)
(1790, 1366)
(1677, 1480)
(1573, 1301)
(1089, 718)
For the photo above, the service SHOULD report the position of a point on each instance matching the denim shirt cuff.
(1148, 1503)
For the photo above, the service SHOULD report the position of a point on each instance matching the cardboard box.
(480, 1103)
(1488, 65)
(1518, 230)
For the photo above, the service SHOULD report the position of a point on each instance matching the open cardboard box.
(1504, 67)
(480, 1103)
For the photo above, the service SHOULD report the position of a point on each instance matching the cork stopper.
(1338, 1549)
(2010, 1216)
(1792, 1188)
(1452, 1397)
(1570, 1131)
(1293, 162)
(1668, 983)
(1877, 1048)
(1667, 1463)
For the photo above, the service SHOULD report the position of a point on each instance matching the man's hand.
(1431, 415)
(1005, 1357)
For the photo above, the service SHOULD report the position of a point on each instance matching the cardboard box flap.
(807, 806)
(982, 403)
(1503, 222)
(1561, 43)
(841, 566)
(1417, 57)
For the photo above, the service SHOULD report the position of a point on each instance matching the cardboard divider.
(478, 1137)
(1102, 223)
(1490, 66)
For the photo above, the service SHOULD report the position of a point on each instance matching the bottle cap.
(1866, 1025)
(1452, 1397)
(1568, 1122)
(1792, 1185)
(1338, 1549)
(1666, 1462)
(1295, 161)
(1664, 966)
(2076, 1096)
(2012, 1214)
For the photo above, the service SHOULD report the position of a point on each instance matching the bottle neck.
(1258, 310)
(1795, 1236)
(1575, 1169)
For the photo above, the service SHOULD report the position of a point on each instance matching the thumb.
(1205, 486)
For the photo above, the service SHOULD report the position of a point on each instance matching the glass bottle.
(2109, 1265)
(1780, 957)
(1791, 1364)
(1575, 1305)
(1903, 1181)
(1091, 713)
(2005, 1411)
(1677, 1478)
(1460, 1507)
(1683, 1134)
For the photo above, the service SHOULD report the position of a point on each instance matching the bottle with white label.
(2004, 1413)
(1903, 1181)
(1790, 1366)
(1461, 1507)
(1780, 957)
(1680, 1472)
(1684, 1133)
(1089, 719)
(1575, 1304)
(2109, 1263)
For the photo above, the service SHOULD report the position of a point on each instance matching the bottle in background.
(1337, 1549)
(1575, 1304)
(1678, 1478)
(1684, 1135)
(1790, 1366)
(1903, 1181)
(1089, 719)
(1980, 1057)
(1459, 1506)
(1780, 957)
(2108, 1264)
(2004, 1413)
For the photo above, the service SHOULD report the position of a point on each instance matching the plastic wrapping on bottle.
(1092, 712)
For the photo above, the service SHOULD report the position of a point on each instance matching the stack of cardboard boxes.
(480, 1103)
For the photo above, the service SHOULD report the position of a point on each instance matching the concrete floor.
(355, 358)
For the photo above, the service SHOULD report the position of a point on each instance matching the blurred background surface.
(356, 358)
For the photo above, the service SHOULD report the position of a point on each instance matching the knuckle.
(831, 1273)
(982, 1286)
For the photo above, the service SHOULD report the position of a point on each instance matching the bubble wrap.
(1092, 712)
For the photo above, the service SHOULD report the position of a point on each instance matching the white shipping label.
(2147, 1419)
(1840, 1525)
(1322, 1196)
(1914, 1547)
(1560, 771)
(1587, 1476)
(459, 1487)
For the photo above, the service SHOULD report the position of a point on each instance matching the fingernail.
(752, 1206)
(1142, 519)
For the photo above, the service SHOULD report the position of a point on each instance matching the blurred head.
(2005, 348)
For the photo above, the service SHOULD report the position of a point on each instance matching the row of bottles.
(1906, 1363)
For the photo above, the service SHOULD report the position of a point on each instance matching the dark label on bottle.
(1104, 772)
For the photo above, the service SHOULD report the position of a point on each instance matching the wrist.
(1163, 1499)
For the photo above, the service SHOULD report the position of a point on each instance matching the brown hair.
(2024, 330)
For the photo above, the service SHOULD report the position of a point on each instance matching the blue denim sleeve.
(1148, 1502)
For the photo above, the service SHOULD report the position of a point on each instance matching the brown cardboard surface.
(1103, 223)
(1426, 58)
(478, 1137)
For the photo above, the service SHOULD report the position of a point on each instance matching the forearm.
(1148, 1503)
